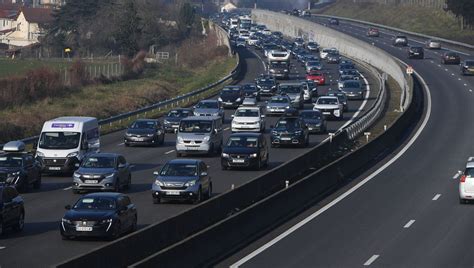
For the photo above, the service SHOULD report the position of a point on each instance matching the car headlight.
(253, 155)
(196, 114)
(286, 70)
(12, 177)
(128, 134)
(219, 99)
(190, 183)
(225, 155)
(109, 176)
(166, 122)
(159, 183)
(268, 107)
(206, 138)
(255, 93)
(215, 114)
(337, 112)
(106, 221)
(39, 154)
(150, 135)
(273, 87)
(287, 107)
(274, 133)
(180, 140)
(77, 175)
(298, 132)
(66, 221)
(73, 154)
(238, 99)
(272, 70)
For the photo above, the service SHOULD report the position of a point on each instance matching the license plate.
(192, 148)
(172, 193)
(83, 229)
(238, 160)
(285, 139)
(91, 181)
(54, 168)
(416, 53)
(326, 113)
(139, 139)
(310, 128)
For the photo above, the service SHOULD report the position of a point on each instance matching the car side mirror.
(203, 174)
(85, 146)
(121, 166)
(67, 207)
(35, 145)
(232, 116)
(156, 173)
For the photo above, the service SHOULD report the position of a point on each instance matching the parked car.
(314, 121)
(231, 96)
(342, 96)
(416, 53)
(289, 131)
(433, 44)
(199, 135)
(248, 119)
(467, 67)
(245, 150)
(353, 89)
(316, 76)
(400, 40)
(171, 121)
(102, 172)
(278, 105)
(19, 168)
(295, 91)
(182, 179)
(251, 91)
(12, 210)
(145, 132)
(450, 57)
(330, 107)
(267, 85)
(373, 32)
(107, 215)
(209, 108)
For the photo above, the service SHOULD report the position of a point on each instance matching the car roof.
(201, 118)
(245, 134)
(184, 161)
(104, 194)
(470, 164)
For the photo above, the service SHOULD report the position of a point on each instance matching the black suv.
(18, 168)
(145, 131)
(245, 150)
(290, 131)
(231, 96)
(416, 53)
(12, 211)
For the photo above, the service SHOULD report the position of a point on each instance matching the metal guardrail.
(447, 41)
(171, 103)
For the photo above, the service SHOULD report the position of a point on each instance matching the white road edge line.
(227, 128)
(436, 197)
(349, 191)
(120, 144)
(67, 188)
(456, 175)
(371, 260)
(406, 226)
(169, 152)
(2, 248)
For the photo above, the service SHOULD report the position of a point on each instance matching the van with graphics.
(65, 141)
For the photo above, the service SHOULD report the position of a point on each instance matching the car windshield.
(99, 162)
(351, 85)
(417, 49)
(179, 113)
(10, 161)
(315, 73)
(327, 101)
(230, 90)
(266, 82)
(313, 63)
(249, 88)
(246, 113)
(143, 124)
(279, 100)
(278, 64)
(290, 88)
(195, 126)
(469, 63)
(95, 203)
(59, 140)
(312, 44)
(287, 123)
(179, 170)
(208, 105)
(469, 172)
(310, 115)
(248, 142)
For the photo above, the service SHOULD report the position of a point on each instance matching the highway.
(40, 244)
(405, 213)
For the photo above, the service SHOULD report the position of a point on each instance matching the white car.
(330, 107)
(324, 53)
(466, 182)
(433, 44)
(252, 40)
(248, 119)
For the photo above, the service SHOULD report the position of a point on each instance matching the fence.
(95, 70)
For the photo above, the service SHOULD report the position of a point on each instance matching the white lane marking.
(456, 175)
(67, 188)
(452, 74)
(120, 144)
(409, 224)
(371, 260)
(436, 197)
(169, 152)
(465, 85)
(459, 79)
(132, 166)
(439, 65)
(349, 191)
(227, 128)
(2, 248)
(446, 70)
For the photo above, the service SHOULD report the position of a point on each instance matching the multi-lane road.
(405, 212)
(40, 245)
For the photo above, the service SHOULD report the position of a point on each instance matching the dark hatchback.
(106, 215)
(145, 132)
(290, 131)
(231, 96)
(251, 91)
(172, 119)
(20, 170)
(314, 121)
(12, 211)
(416, 53)
(450, 58)
(244, 150)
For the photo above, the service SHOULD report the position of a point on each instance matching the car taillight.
(463, 178)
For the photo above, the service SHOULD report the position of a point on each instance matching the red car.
(373, 32)
(316, 76)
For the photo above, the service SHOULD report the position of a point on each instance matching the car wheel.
(117, 230)
(156, 200)
(20, 222)
(37, 183)
(178, 154)
(198, 198)
(209, 191)
(133, 228)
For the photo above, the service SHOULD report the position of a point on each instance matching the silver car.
(209, 108)
(278, 105)
(353, 89)
(296, 93)
(313, 65)
(199, 135)
(433, 44)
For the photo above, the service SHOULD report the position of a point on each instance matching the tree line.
(463, 9)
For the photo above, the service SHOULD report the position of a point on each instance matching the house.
(28, 27)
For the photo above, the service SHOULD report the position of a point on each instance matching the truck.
(279, 64)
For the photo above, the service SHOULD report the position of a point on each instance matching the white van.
(65, 141)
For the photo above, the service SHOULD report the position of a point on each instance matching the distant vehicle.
(346, 66)
(299, 42)
(313, 66)
(231, 96)
(209, 108)
(290, 131)
(450, 58)
(433, 44)
(333, 58)
(343, 78)
(251, 91)
(245, 150)
(252, 40)
(234, 23)
(324, 53)
(373, 32)
(241, 42)
(65, 141)
(12, 210)
(400, 41)
(312, 46)
(279, 64)
(416, 53)
(342, 96)
(182, 179)
(314, 121)
(278, 105)
(467, 67)
(312, 86)
(171, 121)
(145, 132)
(353, 72)
(330, 107)
(102, 172)
(333, 21)
(266, 32)
(199, 135)
(277, 34)
(106, 215)
(466, 183)
(353, 89)
(248, 119)
(267, 85)
(295, 92)
(19, 168)
(306, 13)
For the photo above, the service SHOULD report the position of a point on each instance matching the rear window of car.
(469, 172)
(470, 63)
